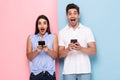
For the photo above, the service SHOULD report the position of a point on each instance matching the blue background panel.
(103, 17)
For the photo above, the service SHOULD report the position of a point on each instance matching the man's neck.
(74, 26)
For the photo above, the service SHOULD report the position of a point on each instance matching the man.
(76, 43)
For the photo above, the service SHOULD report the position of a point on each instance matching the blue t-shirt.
(43, 61)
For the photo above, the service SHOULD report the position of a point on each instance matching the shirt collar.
(79, 26)
(44, 34)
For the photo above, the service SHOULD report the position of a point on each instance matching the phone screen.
(73, 40)
(42, 43)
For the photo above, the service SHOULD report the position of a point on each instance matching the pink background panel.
(17, 21)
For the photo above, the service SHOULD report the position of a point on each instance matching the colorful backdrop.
(103, 17)
(17, 21)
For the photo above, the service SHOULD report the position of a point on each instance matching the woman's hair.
(48, 24)
(72, 6)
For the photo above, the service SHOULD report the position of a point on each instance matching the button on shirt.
(76, 62)
(43, 61)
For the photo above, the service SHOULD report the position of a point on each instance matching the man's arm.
(63, 52)
(91, 50)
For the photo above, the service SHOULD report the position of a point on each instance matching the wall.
(103, 17)
(17, 21)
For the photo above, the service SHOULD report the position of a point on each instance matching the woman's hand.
(45, 48)
(39, 48)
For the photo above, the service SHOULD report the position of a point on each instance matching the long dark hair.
(48, 24)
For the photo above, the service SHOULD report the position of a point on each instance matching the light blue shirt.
(43, 61)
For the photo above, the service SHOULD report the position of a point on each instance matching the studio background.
(103, 17)
(17, 21)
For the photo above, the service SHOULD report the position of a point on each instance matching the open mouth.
(42, 29)
(72, 19)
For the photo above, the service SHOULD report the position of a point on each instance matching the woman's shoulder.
(53, 35)
(31, 36)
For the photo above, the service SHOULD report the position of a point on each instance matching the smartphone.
(42, 43)
(73, 40)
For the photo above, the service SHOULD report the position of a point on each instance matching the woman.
(42, 56)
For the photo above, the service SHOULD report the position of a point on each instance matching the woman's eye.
(39, 23)
(45, 23)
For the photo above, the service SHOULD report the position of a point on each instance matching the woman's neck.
(41, 36)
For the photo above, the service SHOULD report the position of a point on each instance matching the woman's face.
(42, 26)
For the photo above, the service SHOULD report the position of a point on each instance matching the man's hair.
(72, 6)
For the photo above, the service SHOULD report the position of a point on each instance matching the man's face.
(72, 17)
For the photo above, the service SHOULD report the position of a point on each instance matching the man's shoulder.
(63, 29)
(84, 27)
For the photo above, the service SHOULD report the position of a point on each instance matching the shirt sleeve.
(90, 36)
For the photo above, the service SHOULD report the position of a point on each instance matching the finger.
(77, 44)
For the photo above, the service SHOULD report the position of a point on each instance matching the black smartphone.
(73, 40)
(42, 43)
